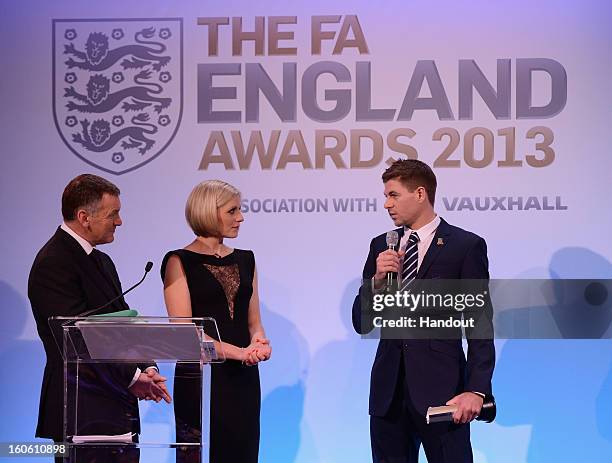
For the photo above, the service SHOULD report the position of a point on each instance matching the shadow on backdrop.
(337, 401)
(22, 364)
(282, 407)
(555, 386)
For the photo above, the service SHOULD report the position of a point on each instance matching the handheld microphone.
(392, 240)
(147, 269)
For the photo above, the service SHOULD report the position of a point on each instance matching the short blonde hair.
(201, 210)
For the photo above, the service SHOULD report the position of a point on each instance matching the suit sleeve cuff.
(382, 287)
(137, 374)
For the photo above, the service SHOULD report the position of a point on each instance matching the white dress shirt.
(86, 245)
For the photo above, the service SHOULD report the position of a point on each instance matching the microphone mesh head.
(392, 238)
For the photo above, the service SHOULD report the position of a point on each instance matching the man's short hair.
(413, 173)
(85, 192)
(201, 210)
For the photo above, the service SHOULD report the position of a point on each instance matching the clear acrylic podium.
(101, 354)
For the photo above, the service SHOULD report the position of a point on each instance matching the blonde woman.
(207, 278)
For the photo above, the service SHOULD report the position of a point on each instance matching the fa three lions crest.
(100, 100)
(98, 57)
(117, 88)
(99, 137)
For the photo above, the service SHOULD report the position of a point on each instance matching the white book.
(118, 438)
(443, 413)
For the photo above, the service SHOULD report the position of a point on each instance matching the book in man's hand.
(445, 412)
(116, 438)
(439, 414)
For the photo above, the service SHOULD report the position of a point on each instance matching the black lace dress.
(221, 288)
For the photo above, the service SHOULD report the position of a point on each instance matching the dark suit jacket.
(436, 369)
(65, 281)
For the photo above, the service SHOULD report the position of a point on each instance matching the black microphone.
(392, 240)
(147, 269)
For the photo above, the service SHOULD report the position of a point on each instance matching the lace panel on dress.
(228, 277)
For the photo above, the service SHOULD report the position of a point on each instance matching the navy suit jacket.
(65, 281)
(436, 369)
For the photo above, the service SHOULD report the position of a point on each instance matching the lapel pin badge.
(440, 242)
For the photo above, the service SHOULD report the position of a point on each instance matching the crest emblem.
(117, 88)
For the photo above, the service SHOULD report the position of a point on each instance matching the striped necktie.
(411, 260)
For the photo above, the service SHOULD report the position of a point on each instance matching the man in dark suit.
(410, 375)
(68, 278)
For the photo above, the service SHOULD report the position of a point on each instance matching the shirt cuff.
(135, 378)
(479, 393)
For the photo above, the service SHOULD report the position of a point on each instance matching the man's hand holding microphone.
(388, 262)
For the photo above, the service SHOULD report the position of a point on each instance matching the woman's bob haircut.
(201, 210)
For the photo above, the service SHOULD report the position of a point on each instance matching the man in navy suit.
(410, 375)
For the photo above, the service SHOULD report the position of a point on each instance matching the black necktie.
(100, 263)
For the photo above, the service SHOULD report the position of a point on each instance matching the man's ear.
(82, 216)
(421, 194)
